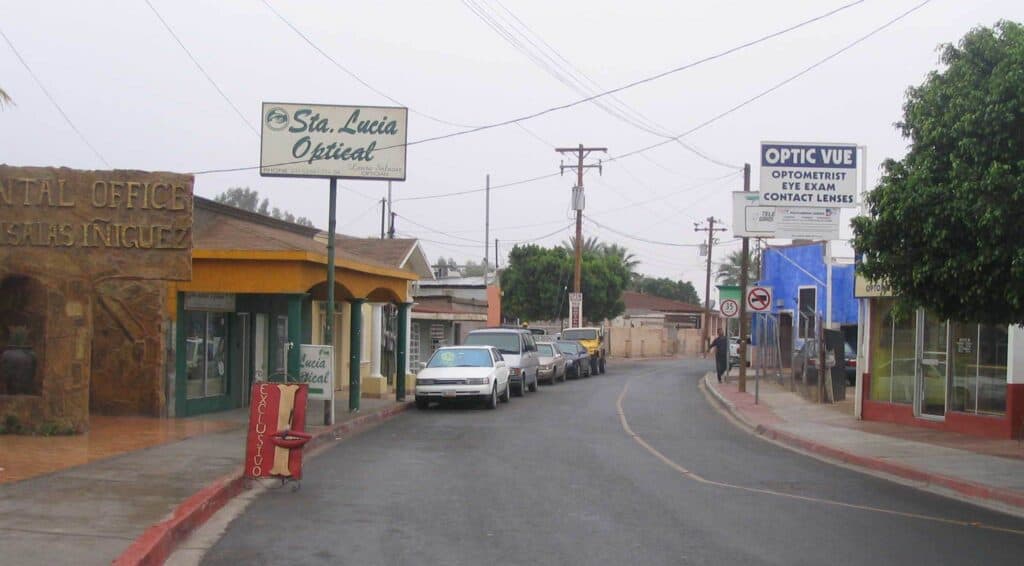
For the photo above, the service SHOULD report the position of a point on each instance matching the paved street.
(558, 479)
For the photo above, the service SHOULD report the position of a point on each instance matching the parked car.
(552, 362)
(805, 360)
(851, 364)
(577, 358)
(592, 338)
(519, 351)
(734, 351)
(464, 372)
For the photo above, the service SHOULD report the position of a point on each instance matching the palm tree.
(5, 98)
(590, 245)
(729, 270)
(626, 257)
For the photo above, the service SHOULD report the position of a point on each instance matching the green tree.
(536, 281)
(249, 199)
(944, 223)
(729, 270)
(666, 288)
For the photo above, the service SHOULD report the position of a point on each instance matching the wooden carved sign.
(125, 224)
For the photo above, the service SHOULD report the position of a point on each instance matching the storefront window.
(893, 354)
(979, 368)
(206, 353)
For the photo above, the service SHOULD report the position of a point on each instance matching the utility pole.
(487, 223)
(578, 204)
(383, 209)
(744, 283)
(710, 229)
(391, 216)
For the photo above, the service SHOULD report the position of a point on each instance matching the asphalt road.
(556, 478)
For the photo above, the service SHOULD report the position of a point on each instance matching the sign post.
(333, 142)
(575, 310)
(317, 370)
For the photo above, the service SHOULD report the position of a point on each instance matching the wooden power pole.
(577, 200)
(710, 229)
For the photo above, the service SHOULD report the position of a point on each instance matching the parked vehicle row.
(496, 363)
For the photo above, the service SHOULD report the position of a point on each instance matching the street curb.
(157, 543)
(970, 491)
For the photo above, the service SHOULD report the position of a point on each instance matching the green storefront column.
(355, 347)
(294, 335)
(403, 350)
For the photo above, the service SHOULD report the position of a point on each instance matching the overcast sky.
(138, 99)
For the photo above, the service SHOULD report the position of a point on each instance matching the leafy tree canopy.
(944, 226)
(249, 199)
(666, 288)
(536, 282)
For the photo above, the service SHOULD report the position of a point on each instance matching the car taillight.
(851, 363)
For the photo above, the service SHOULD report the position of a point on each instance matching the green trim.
(402, 351)
(355, 353)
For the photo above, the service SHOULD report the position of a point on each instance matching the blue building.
(798, 275)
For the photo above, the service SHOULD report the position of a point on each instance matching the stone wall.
(128, 356)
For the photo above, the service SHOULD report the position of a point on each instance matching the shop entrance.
(932, 365)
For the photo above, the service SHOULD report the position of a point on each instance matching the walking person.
(721, 347)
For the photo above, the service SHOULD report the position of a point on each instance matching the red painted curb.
(157, 543)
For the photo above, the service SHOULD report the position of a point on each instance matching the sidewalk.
(171, 475)
(981, 471)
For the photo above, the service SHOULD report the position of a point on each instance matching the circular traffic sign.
(759, 299)
(730, 307)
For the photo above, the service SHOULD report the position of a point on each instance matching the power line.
(588, 99)
(645, 80)
(637, 238)
(352, 74)
(200, 67)
(470, 191)
(435, 230)
(53, 101)
(778, 85)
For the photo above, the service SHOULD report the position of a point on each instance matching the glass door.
(932, 366)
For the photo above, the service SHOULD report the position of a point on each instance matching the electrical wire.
(471, 191)
(778, 85)
(352, 74)
(434, 230)
(637, 238)
(200, 67)
(557, 108)
(53, 101)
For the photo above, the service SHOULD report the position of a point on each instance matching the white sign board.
(750, 218)
(316, 367)
(216, 302)
(796, 174)
(807, 223)
(348, 142)
(575, 310)
(730, 308)
(759, 299)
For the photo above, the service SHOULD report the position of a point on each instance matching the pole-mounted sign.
(797, 174)
(344, 142)
(759, 299)
(730, 308)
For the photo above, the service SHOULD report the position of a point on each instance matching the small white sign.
(214, 302)
(316, 367)
(346, 142)
(750, 218)
(797, 174)
(575, 310)
(807, 223)
(759, 299)
(730, 308)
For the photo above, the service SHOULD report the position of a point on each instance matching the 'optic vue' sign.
(354, 142)
(808, 174)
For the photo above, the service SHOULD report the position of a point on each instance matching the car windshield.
(567, 347)
(545, 350)
(505, 342)
(580, 334)
(461, 358)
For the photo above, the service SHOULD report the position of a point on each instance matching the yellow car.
(593, 339)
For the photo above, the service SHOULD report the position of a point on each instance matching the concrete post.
(402, 365)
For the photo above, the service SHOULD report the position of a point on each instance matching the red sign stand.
(277, 423)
